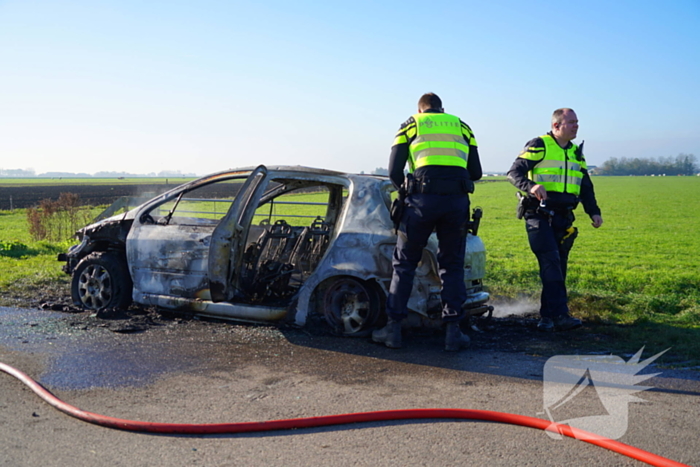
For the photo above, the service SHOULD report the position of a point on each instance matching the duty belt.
(542, 208)
(440, 187)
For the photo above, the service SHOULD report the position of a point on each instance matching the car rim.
(348, 306)
(95, 287)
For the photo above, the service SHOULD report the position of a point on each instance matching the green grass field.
(647, 246)
(637, 277)
(26, 264)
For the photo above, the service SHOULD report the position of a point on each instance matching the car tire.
(351, 307)
(101, 281)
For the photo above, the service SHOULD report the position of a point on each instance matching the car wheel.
(351, 307)
(101, 281)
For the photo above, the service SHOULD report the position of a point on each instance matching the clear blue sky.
(144, 86)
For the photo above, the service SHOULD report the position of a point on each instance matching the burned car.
(264, 244)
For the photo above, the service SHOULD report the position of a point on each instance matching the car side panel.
(169, 260)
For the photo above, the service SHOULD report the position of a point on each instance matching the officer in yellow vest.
(552, 171)
(443, 163)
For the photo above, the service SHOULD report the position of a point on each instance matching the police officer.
(552, 171)
(442, 157)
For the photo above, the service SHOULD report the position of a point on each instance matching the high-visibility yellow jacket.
(578, 189)
(559, 169)
(436, 139)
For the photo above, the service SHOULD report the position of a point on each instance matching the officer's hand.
(597, 221)
(538, 192)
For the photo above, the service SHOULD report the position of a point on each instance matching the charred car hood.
(113, 228)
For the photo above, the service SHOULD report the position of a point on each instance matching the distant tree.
(17, 173)
(110, 174)
(64, 175)
(687, 164)
(175, 174)
(683, 164)
(380, 171)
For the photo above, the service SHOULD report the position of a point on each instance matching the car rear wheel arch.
(351, 306)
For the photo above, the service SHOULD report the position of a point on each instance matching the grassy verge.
(29, 270)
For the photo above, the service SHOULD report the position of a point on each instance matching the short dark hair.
(429, 101)
(558, 115)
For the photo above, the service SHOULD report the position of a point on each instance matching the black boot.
(389, 335)
(454, 339)
(559, 323)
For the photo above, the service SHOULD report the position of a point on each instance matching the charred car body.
(263, 244)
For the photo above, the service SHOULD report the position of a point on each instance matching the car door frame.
(229, 238)
(173, 260)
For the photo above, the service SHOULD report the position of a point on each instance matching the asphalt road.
(189, 371)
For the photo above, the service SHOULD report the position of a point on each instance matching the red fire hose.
(246, 427)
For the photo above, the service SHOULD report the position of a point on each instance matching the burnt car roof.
(293, 168)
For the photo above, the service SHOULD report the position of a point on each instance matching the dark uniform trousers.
(447, 215)
(546, 236)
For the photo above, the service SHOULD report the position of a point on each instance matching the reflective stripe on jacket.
(559, 169)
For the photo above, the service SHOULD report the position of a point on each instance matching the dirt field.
(19, 197)
(90, 195)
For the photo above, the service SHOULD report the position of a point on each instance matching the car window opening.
(287, 240)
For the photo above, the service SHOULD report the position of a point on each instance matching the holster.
(397, 208)
(399, 204)
(522, 205)
(472, 225)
